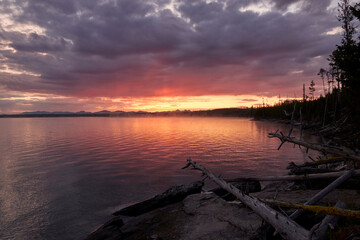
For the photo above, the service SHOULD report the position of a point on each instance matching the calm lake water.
(60, 178)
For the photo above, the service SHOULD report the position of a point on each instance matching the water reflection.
(61, 177)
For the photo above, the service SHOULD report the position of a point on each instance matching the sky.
(160, 55)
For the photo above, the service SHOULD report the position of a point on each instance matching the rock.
(172, 195)
(199, 216)
(109, 231)
(207, 216)
(213, 215)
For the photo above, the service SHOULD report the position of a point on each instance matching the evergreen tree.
(356, 10)
(312, 89)
(345, 59)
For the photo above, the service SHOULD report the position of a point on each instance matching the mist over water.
(60, 178)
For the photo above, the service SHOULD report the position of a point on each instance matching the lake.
(60, 178)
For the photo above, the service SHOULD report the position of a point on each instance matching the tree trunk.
(293, 177)
(325, 149)
(319, 231)
(286, 227)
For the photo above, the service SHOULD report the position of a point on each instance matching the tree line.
(341, 79)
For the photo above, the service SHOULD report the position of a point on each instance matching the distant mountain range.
(79, 113)
(227, 112)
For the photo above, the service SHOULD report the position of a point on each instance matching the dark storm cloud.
(139, 48)
(37, 43)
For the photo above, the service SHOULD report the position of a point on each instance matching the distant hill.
(224, 112)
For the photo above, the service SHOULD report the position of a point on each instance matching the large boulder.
(198, 216)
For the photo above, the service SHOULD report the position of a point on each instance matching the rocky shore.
(206, 215)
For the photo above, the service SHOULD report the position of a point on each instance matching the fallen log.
(322, 148)
(309, 170)
(317, 162)
(286, 227)
(325, 191)
(247, 187)
(318, 232)
(334, 211)
(293, 177)
(174, 194)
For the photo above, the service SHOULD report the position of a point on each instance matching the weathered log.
(286, 227)
(247, 187)
(319, 230)
(325, 149)
(317, 162)
(309, 170)
(325, 191)
(334, 211)
(293, 177)
(172, 195)
(345, 176)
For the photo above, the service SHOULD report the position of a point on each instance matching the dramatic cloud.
(135, 48)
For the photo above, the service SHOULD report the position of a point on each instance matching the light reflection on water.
(62, 177)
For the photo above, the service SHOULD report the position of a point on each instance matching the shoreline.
(206, 215)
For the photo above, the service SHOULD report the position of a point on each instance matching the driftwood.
(334, 211)
(286, 227)
(335, 127)
(291, 125)
(172, 195)
(319, 230)
(309, 170)
(322, 148)
(325, 191)
(247, 187)
(312, 167)
(318, 162)
(294, 177)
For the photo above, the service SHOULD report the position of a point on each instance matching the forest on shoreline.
(336, 114)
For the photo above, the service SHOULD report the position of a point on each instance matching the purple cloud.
(125, 48)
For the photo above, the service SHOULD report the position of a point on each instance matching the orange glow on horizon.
(46, 102)
(193, 103)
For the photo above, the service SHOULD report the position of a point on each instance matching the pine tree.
(345, 59)
(345, 64)
(312, 89)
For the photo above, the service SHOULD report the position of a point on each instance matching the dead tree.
(321, 148)
(286, 227)
(334, 211)
(293, 177)
(319, 230)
